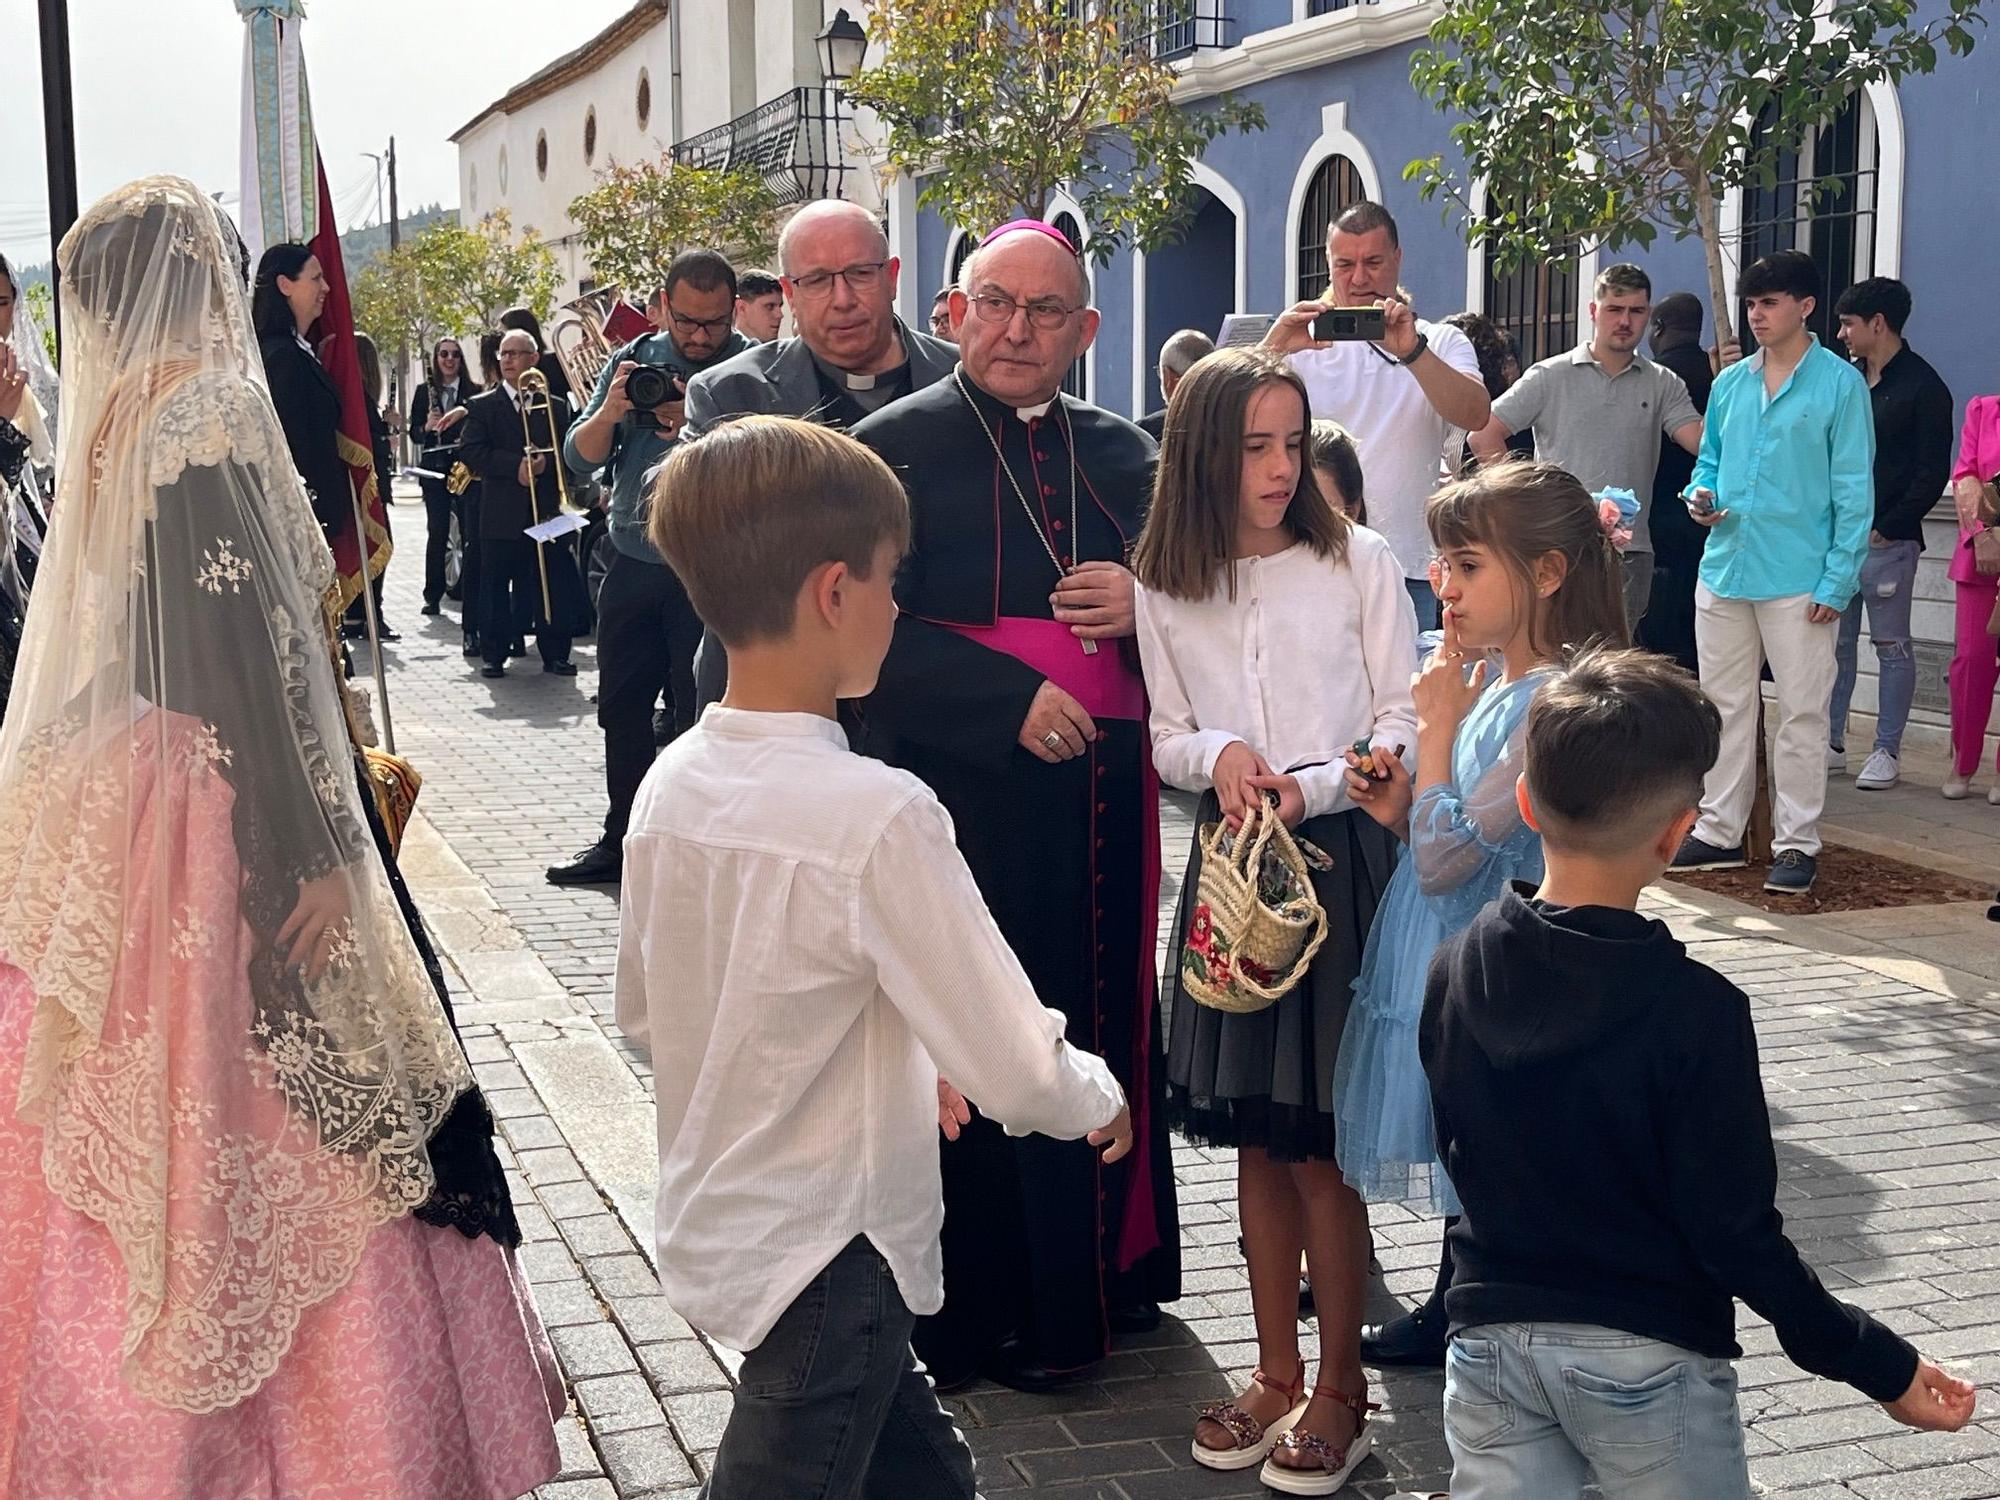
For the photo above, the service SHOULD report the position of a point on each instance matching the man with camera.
(647, 630)
(1399, 384)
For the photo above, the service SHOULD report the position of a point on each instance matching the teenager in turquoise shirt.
(1785, 484)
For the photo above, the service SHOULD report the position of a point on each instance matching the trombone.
(535, 399)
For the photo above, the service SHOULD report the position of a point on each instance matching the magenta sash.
(1109, 687)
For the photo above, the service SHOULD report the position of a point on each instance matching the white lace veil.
(177, 794)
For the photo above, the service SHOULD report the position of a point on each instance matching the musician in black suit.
(289, 296)
(445, 386)
(524, 585)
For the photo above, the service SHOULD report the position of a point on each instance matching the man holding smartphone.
(1785, 484)
(1398, 396)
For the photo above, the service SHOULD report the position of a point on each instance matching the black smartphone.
(1348, 325)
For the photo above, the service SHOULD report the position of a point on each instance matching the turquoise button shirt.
(1796, 474)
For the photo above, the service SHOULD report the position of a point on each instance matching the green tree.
(450, 279)
(996, 107)
(41, 299)
(1606, 120)
(639, 217)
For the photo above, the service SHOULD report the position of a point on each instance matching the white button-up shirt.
(803, 951)
(1310, 656)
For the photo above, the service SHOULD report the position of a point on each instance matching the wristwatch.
(1423, 343)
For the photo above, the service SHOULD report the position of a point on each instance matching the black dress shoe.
(387, 632)
(431, 607)
(560, 668)
(471, 646)
(1414, 1341)
(1013, 1366)
(1136, 1317)
(601, 864)
(492, 670)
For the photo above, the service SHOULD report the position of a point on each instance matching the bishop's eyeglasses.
(1045, 312)
(860, 277)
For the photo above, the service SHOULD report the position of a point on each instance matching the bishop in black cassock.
(1012, 487)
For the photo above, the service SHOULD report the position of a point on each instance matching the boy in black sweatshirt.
(1600, 1111)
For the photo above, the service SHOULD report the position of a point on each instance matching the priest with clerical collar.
(1013, 689)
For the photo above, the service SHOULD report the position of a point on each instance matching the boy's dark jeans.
(834, 1406)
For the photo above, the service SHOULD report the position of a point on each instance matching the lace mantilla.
(220, 418)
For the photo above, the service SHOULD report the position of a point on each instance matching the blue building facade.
(1922, 201)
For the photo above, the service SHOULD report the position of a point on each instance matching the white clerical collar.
(1034, 413)
(858, 382)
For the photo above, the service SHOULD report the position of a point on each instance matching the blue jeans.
(1430, 615)
(834, 1406)
(1888, 579)
(1534, 1411)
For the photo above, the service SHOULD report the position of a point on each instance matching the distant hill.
(359, 246)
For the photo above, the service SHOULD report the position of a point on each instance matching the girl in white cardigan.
(1274, 633)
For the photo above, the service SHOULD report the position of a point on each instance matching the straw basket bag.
(1257, 923)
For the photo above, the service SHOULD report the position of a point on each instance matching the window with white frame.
(1822, 201)
(1336, 186)
(1077, 382)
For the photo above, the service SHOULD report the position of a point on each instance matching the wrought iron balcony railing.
(1182, 28)
(792, 142)
(1329, 7)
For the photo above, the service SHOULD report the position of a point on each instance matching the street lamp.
(841, 47)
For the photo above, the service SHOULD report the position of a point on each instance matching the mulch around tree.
(1849, 880)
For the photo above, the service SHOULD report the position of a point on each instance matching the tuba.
(577, 337)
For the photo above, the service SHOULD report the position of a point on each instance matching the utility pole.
(58, 134)
(397, 403)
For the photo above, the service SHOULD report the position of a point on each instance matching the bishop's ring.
(1053, 740)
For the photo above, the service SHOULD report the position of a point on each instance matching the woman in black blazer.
(289, 295)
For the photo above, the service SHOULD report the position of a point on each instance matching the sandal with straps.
(1335, 1465)
(1254, 1439)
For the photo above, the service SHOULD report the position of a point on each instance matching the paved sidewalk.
(1883, 1086)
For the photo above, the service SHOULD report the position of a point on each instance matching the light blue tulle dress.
(1467, 840)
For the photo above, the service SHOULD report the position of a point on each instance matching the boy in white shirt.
(803, 952)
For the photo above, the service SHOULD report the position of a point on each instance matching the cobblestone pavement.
(1884, 1095)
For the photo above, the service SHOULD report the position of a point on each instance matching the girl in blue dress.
(1525, 571)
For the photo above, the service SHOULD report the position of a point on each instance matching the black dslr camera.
(649, 386)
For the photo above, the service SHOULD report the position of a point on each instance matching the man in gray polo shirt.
(1599, 412)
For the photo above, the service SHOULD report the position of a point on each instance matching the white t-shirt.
(1399, 433)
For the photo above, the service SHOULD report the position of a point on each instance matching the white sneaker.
(1879, 774)
(1836, 760)
(1956, 788)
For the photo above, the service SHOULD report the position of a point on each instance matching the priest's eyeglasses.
(860, 277)
(1045, 313)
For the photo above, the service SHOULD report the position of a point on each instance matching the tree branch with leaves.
(995, 108)
(1605, 121)
(639, 217)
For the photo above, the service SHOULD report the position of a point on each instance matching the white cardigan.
(1309, 657)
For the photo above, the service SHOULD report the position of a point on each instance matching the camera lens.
(646, 387)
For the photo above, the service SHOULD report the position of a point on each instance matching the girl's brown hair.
(1333, 449)
(1522, 510)
(1189, 539)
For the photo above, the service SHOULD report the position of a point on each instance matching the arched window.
(961, 252)
(1336, 186)
(589, 134)
(1823, 201)
(645, 100)
(542, 154)
(1076, 383)
(1534, 302)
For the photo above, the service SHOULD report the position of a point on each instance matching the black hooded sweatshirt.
(1600, 1112)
